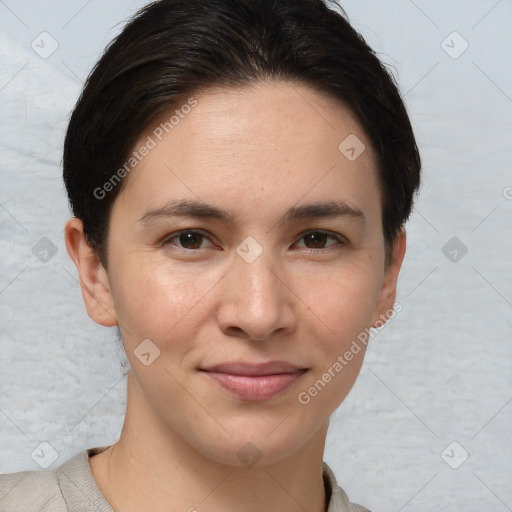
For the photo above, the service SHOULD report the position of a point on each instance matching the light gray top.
(71, 487)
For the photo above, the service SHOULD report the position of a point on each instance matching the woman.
(240, 173)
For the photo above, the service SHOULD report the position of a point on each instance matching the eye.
(318, 239)
(192, 240)
(189, 240)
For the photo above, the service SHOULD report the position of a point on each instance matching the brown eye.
(316, 239)
(188, 240)
(319, 239)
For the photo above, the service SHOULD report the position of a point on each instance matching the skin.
(254, 152)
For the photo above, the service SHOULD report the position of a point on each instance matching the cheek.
(341, 311)
(154, 301)
(343, 302)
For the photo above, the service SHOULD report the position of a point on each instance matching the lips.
(254, 382)
(243, 368)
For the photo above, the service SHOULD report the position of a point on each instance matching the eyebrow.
(198, 209)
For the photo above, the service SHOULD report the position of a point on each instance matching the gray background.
(438, 373)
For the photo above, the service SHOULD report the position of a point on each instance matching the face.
(245, 236)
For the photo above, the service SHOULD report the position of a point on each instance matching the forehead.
(280, 115)
(272, 136)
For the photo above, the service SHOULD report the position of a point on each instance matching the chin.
(257, 445)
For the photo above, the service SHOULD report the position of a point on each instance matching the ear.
(388, 290)
(93, 276)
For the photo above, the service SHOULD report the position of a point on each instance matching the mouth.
(255, 382)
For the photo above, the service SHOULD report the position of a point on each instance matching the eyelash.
(339, 239)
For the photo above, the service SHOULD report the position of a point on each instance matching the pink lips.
(255, 382)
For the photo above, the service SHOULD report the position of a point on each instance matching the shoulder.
(69, 487)
(359, 508)
(31, 490)
(339, 501)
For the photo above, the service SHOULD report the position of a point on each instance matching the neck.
(153, 468)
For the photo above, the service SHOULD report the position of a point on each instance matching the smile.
(255, 382)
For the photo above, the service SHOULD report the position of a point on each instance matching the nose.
(256, 300)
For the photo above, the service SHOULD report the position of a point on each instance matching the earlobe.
(388, 290)
(94, 280)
